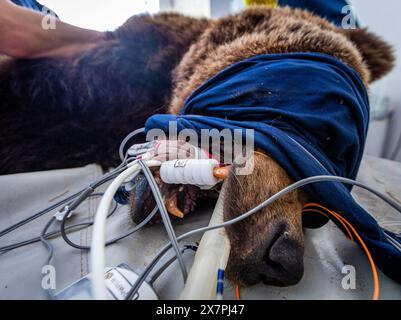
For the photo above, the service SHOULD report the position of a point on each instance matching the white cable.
(97, 253)
(125, 141)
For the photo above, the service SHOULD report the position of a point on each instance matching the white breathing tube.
(211, 256)
(97, 253)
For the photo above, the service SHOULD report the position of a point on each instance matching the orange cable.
(237, 292)
(347, 226)
(340, 218)
(343, 224)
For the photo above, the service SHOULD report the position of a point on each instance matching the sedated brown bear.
(71, 112)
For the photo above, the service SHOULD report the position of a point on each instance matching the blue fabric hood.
(310, 112)
(331, 10)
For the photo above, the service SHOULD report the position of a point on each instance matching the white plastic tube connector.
(197, 172)
(212, 255)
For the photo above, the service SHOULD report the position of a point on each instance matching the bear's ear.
(378, 54)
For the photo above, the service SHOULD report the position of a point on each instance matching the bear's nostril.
(284, 259)
(278, 263)
(250, 277)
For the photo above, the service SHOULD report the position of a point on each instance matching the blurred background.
(382, 17)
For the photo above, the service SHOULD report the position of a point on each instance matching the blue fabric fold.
(310, 112)
(331, 10)
(30, 4)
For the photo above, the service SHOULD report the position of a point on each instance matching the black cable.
(55, 233)
(79, 247)
(50, 235)
(38, 214)
(72, 204)
(79, 194)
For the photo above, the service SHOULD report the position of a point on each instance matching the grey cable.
(74, 227)
(69, 200)
(125, 141)
(261, 206)
(50, 249)
(396, 150)
(165, 217)
(164, 267)
(38, 214)
(395, 243)
(49, 235)
(114, 240)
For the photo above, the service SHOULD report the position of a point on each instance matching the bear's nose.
(280, 265)
(285, 262)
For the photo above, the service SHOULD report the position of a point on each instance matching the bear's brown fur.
(63, 113)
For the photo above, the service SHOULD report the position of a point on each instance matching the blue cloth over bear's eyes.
(30, 4)
(310, 112)
(333, 10)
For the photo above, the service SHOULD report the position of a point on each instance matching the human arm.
(22, 35)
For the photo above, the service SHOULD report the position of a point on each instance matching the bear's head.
(269, 245)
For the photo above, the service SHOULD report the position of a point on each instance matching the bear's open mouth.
(180, 200)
